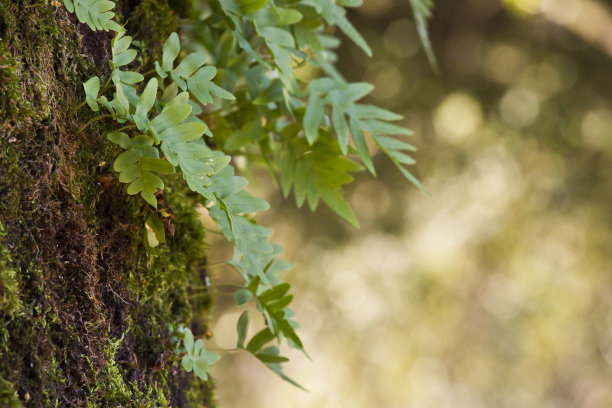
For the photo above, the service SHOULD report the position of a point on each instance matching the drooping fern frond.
(335, 14)
(96, 14)
(275, 38)
(339, 97)
(422, 10)
(317, 172)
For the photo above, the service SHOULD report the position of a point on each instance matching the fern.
(346, 114)
(260, 345)
(317, 172)
(174, 132)
(196, 357)
(138, 165)
(243, 80)
(422, 10)
(335, 14)
(190, 74)
(96, 14)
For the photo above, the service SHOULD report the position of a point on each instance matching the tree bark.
(87, 312)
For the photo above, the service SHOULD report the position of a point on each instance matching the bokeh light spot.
(561, 11)
(596, 128)
(401, 38)
(386, 78)
(504, 63)
(457, 117)
(519, 107)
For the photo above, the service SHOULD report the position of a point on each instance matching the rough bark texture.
(86, 314)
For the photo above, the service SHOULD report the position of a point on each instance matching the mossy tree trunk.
(86, 313)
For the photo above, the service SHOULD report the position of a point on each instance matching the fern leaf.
(144, 105)
(360, 144)
(315, 113)
(201, 86)
(96, 14)
(252, 252)
(136, 166)
(347, 28)
(197, 358)
(336, 15)
(92, 87)
(394, 149)
(277, 16)
(422, 10)
(251, 6)
(316, 173)
(191, 74)
(170, 51)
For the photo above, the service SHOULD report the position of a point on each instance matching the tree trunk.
(87, 313)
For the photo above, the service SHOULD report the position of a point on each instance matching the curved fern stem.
(97, 118)
(228, 287)
(213, 265)
(76, 108)
(35, 5)
(106, 85)
(128, 127)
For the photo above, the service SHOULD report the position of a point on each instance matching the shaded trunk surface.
(87, 314)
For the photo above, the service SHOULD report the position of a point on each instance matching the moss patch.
(10, 302)
(87, 311)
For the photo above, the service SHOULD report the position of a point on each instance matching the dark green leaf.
(241, 328)
(270, 358)
(155, 229)
(274, 293)
(251, 6)
(259, 340)
(241, 296)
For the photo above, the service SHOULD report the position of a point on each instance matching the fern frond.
(96, 14)
(346, 113)
(335, 14)
(137, 165)
(318, 172)
(269, 355)
(191, 74)
(422, 10)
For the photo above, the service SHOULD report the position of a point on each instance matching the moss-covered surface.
(87, 313)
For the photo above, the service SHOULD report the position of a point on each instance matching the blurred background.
(496, 290)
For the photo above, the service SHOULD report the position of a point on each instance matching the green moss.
(12, 104)
(162, 282)
(10, 303)
(110, 387)
(152, 21)
(8, 396)
(90, 310)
